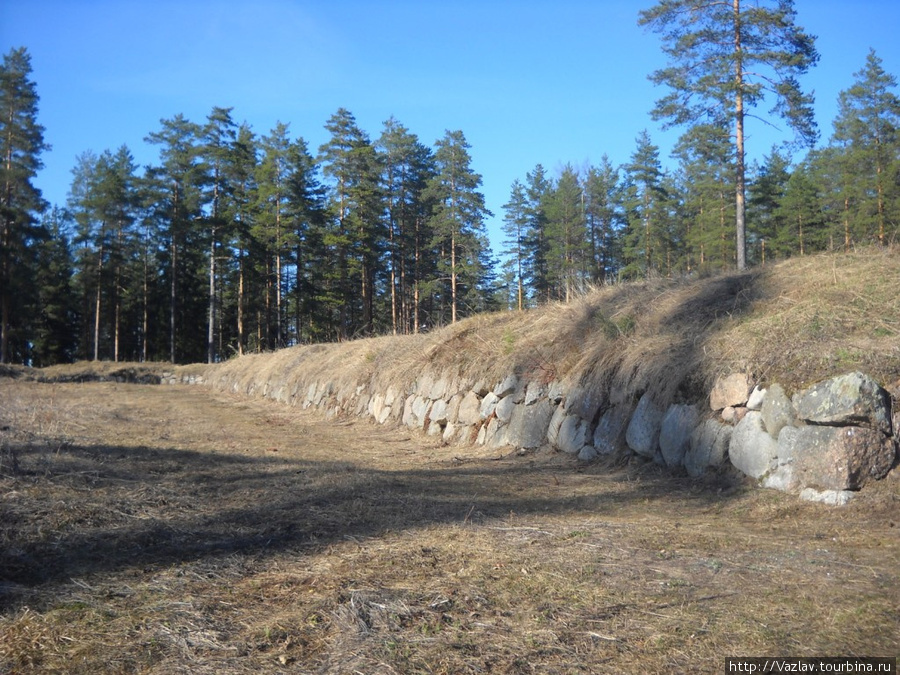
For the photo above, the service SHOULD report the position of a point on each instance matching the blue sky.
(528, 82)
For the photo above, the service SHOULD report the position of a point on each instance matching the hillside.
(794, 322)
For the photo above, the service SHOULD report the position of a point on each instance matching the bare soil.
(173, 529)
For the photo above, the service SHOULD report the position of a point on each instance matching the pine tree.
(55, 328)
(177, 186)
(604, 214)
(566, 235)
(537, 191)
(706, 167)
(458, 218)
(22, 140)
(725, 57)
(767, 191)
(216, 152)
(644, 240)
(104, 200)
(356, 233)
(867, 131)
(515, 225)
(407, 166)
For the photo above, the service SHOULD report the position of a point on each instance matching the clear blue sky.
(527, 81)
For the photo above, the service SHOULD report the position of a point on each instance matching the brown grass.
(794, 322)
(176, 530)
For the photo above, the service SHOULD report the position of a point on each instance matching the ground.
(174, 529)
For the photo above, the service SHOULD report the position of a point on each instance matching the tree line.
(234, 242)
(591, 225)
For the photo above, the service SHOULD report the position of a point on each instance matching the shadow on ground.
(95, 509)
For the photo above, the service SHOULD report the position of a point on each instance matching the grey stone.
(708, 447)
(488, 403)
(588, 453)
(757, 396)
(642, 434)
(376, 404)
(729, 391)
(420, 409)
(777, 410)
(424, 383)
(409, 417)
(752, 451)
(534, 392)
(854, 399)
(572, 433)
(453, 407)
(507, 386)
(675, 433)
(469, 409)
(438, 414)
(504, 409)
(439, 389)
(585, 403)
(609, 436)
(559, 414)
(555, 392)
(830, 497)
(780, 478)
(528, 424)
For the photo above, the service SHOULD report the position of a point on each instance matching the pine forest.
(238, 241)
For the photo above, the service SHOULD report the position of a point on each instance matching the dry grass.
(794, 322)
(177, 530)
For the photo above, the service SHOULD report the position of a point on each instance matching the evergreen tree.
(566, 235)
(272, 231)
(603, 194)
(306, 213)
(56, 323)
(800, 208)
(216, 153)
(407, 166)
(725, 57)
(767, 191)
(515, 224)
(644, 243)
(537, 191)
(245, 204)
(22, 140)
(458, 219)
(355, 236)
(104, 200)
(867, 132)
(706, 166)
(177, 185)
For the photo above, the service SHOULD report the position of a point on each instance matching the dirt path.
(176, 530)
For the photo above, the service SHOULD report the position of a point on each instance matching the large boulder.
(840, 458)
(675, 433)
(708, 446)
(469, 409)
(731, 390)
(609, 436)
(572, 434)
(752, 451)
(528, 424)
(854, 399)
(777, 411)
(642, 434)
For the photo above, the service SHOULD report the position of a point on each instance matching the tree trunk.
(740, 189)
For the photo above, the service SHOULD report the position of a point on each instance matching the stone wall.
(823, 443)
